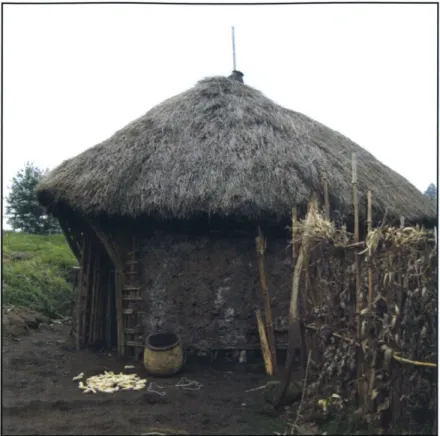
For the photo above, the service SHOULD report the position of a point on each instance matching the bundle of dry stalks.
(321, 231)
(398, 320)
(385, 239)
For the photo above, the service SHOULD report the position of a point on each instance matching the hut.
(162, 216)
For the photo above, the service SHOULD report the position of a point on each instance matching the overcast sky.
(74, 74)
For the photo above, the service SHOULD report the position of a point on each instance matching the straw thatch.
(223, 148)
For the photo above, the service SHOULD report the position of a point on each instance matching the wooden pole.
(266, 299)
(294, 218)
(301, 324)
(359, 353)
(368, 400)
(119, 315)
(302, 329)
(95, 285)
(102, 305)
(293, 311)
(396, 369)
(264, 344)
(97, 296)
(98, 337)
(108, 326)
(83, 275)
(93, 300)
(355, 197)
(75, 293)
(356, 240)
(86, 310)
(370, 269)
(78, 316)
(80, 299)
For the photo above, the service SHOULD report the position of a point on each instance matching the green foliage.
(23, 210)
(36, 270)
(431, 192)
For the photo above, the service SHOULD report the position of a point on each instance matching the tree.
(431, 192)
(23, 210)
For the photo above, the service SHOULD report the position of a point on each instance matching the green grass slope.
(36, 270)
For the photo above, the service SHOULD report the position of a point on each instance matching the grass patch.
(36, 270)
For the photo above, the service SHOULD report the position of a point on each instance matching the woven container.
(163, 355)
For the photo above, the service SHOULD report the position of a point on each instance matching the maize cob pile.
(109, 382)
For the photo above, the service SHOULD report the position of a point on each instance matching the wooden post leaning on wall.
(302, 330)
(265, 349)
(293, 310)
(260, 246)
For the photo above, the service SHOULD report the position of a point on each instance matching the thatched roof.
(222, 148)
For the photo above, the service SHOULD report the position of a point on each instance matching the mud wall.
(206, 288)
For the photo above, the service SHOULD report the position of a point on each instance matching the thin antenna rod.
(233, 47)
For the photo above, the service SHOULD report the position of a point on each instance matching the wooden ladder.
(132, 306)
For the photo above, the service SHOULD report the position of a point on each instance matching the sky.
(75, 74)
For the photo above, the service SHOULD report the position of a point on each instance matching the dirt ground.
(39, 396)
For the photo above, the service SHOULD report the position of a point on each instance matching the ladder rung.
(133, 344)
(132, 288)
(132, 331)
(133, 252)
(131, 272)
(133, 298)
(128, 311)
(131, 262)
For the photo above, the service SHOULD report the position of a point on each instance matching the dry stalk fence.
(369, 313)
